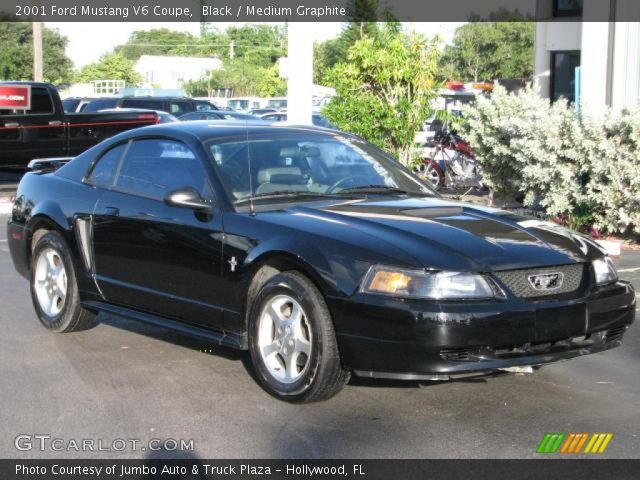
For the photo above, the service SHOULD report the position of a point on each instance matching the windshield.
(306, 165)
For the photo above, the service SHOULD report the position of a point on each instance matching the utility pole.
(37, 52)
(300, 74)
(232, 51)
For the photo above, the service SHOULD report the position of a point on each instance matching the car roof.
(164, 97)
(207, 129)
(26, 82)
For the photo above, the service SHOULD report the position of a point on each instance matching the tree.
(160, 41)
(16, 54)
(258, 44)
(385, 90)
(363, 15)
(112, 66)
(270, 83)
(256, 49)
(487, 51)
(242, 78)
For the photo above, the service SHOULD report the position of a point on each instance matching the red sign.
(15, 97)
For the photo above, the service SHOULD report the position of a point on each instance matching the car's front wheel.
(292, 341)
(54, 289)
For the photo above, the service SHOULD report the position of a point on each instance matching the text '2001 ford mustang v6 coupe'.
(312, 249)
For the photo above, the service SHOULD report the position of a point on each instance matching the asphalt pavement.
(123, 380)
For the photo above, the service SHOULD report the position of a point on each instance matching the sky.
(88, 41)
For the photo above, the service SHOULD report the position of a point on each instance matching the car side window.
(178, 108)
(104, 171)
(41, 104)
(155, 167)
(204, 106)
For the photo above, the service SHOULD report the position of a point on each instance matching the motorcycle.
(449, 162)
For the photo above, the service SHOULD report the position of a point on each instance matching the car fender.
(49, 215)
(304, 256)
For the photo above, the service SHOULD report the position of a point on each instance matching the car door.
(154, 257)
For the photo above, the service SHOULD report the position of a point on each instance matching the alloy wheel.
(50, 282)
(285, 339)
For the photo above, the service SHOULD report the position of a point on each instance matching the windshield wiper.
(379, 189)
(282, 194)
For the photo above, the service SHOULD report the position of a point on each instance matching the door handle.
(12, 124)
(111, 211)
(55, 123)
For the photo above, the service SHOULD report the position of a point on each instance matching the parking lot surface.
(124, 380)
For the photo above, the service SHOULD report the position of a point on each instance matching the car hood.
(449, 235)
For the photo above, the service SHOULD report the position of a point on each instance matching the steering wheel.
(345, 180)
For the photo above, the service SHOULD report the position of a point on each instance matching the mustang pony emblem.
(546, 281)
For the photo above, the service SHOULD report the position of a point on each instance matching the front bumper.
(411, 339)
(18, 240)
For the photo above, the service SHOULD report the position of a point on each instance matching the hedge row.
(582, 169)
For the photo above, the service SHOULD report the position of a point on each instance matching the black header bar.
(308, 10)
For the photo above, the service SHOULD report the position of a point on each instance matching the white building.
(607, 52)
(170, 72)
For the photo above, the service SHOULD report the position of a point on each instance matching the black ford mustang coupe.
(312, 249)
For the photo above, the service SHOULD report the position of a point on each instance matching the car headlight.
(429, 285)
(605, 271)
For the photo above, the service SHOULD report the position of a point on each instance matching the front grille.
(518, 281)
(614, 334)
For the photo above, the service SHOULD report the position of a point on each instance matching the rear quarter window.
(104, 171)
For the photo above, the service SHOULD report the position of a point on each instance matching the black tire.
(72, 317)
(324, 375)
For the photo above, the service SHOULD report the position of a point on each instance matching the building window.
(567, 8)
(563, 74)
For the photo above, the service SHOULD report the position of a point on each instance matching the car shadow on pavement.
(171, 336)
(202, 346)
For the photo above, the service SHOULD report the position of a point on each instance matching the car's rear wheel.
(292, 341)
(54, 290)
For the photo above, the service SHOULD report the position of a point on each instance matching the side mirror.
(187, 197)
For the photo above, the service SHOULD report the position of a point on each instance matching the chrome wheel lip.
(285, 342)
(50, 282)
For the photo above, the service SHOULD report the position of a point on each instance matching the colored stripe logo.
(574, 443)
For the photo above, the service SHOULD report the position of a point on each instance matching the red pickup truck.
(33, 124)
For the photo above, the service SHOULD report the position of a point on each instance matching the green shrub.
(583, 170)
